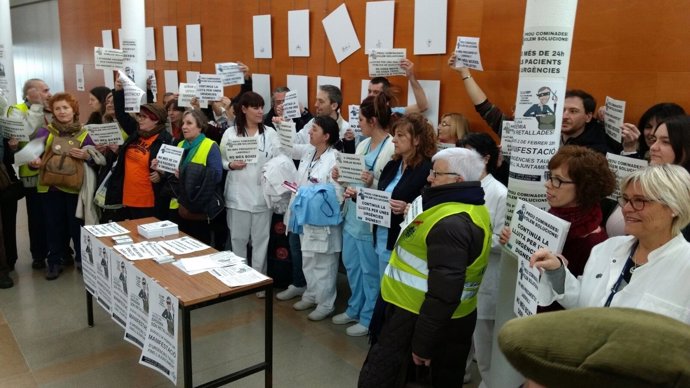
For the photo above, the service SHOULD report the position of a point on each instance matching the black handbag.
(11, 190)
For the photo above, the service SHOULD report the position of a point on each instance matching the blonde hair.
(458, 123)
(668, 184)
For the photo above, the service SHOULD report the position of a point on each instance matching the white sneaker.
(342, 319)
(303, 305)
(319, 315)
(290, 293)
(261, 294)
(357, 330)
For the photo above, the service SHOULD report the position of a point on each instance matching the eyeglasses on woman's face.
(637, 203)
(556, 181)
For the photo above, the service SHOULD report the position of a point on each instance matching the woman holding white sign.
(649, 268)
(359, 256)
(247, 211)
(577, 181)
(404, 177)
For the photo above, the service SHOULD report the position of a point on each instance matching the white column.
(7, 81)
(133, 16)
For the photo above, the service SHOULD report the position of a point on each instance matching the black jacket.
(117, 180)
(594, 137)
(408, 188)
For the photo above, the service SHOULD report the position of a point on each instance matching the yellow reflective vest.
(199, 158)
(404, 283)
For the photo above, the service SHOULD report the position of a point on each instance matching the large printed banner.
(536, 132)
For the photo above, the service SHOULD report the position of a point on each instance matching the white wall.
(36, 44)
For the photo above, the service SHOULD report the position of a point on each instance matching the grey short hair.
(668, 184)
(334, 94)
(465, 162)
(30, 84)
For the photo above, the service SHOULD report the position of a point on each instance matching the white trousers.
(257, 225)
(481, 349)
(320, 270)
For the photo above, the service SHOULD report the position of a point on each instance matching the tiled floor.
(45, 341)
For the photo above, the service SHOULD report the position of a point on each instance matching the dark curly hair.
(590, 171)
(416, 125)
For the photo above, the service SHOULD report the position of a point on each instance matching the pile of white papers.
(140, 251)
(199, 264)
(238, 275)
(104, 230)
(158, 229)
(183, 245)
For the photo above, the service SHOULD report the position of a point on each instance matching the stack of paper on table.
(238, 275)
(140, 251)
(157, 229)
(104, 230)
(183, 245)
(199, 264)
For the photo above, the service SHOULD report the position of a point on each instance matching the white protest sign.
(120, 289)
(243, 149)
(415, 209)
(386, 63)
(353, 119)
(506, 138)
(467, 53)
(133, 95)
(186, 93)
(104, 134)
(88, 267)
(286, 131)
(622, 166)
(103, 273)
(15, 128)
(373, 206)
(169, 158)
(351, 167)
(160, 347)
(291, 108)
(210, 87)
(31, 151)
(108, 58)
(230, 73)
(532, 228)
(138, 306)
(129, 50)
(614, 118)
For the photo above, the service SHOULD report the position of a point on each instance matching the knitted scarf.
(155, 131)
(60, 129)
(582, 221)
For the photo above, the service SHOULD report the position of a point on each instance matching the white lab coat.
(243, 187)
(660, 286)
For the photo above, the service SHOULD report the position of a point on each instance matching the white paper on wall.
(379, 25)
(327, 80)
(193, 42)
(171, 83)
(430, 19)
(341, 33)
(170, 44)
(298, 33)
(432, 89)
(261, 84)
(150, 44)
(262, 36)
(107, 36)
(299, 83)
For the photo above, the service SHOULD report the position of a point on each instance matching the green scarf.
(60, 129)
(191, 148)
